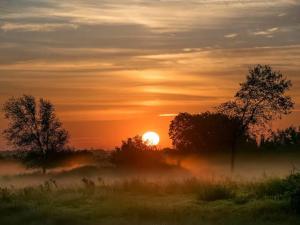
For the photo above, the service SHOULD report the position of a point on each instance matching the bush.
(279, 188)
(5, 195)
(136, 154)
(294, 187)
(215, 192)
(242, 199)
(293, 181)
(34, 159)
(275, 188)
(295, 201)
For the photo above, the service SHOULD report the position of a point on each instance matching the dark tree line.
(261, 99)
(205, 133)
(285, 138)
(34, 127)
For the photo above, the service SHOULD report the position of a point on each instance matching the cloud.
(31, 27)
(155, 53)
(161, 16)
(282, 14)
(267, 32)
(233, 35)
(168, 115)
(112, 60)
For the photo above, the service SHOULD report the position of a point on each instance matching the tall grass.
(138, 201)
(203, 189)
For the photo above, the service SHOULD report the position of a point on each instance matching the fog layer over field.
(249, 167)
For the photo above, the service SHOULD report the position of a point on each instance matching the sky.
(115, 69)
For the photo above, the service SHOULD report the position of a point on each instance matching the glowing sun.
(151, 138)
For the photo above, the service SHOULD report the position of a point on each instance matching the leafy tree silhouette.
(134, 153)
(286, 138)
(261, 99)
(203, 133)
(35, 128)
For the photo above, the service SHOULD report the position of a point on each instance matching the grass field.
(138, 201)
(200, 192)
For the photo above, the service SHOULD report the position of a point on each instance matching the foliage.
(295, 201)
(274, 188)
(34, 127)
(205, 132)
(261, 98)
(88, 183)
(286, 138)
(293, 181)
(215, 192)
(285, 188)
(135, 153)
(278, 188)
(65, 157)
(142, 202)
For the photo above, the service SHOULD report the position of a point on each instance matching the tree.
(134, 153)
(286, 138)
(34, 127)
(203, 133)
(261, 99)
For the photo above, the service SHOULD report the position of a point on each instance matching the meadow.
(138, 201)
(93, 195)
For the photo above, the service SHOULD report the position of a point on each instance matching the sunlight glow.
(151, 138)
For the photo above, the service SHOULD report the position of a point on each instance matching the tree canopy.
(261, 98)
(34, 126)
(205, 132)
(284, 138)
(136, 154)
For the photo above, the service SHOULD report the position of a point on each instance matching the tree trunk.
(44, 162)
(233, 154)
(235, 139)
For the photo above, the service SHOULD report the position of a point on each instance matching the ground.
(139, 202)
(200, 193)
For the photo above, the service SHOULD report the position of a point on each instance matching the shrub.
(279, 188)
(88, 183)
(274, 188)
(5, 194)
(241, 199)
(136, 154)
(48, 185)
(295, 201)
(293, 182)
(215, 192)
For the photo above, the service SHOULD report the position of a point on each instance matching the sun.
(151, 138)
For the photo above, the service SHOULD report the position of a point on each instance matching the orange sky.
(113, 68)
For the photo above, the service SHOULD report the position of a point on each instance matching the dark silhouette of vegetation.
(88, 183)
(35, 128)
(135, 153)
(295, 201)
(211, 193)
(62, 158)
(282, 139)
(261, 99)
(204, 133)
